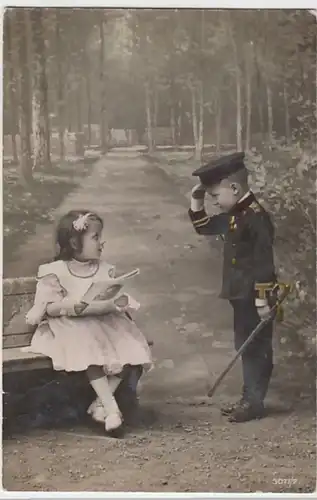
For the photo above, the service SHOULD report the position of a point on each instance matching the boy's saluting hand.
(197, 198)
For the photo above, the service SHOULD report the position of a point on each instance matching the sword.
(270, 317)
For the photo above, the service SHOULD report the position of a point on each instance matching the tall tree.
(102, 83)
(22, 20)
(41, 128)
(9, 40)
(238, 79)
(60, 87)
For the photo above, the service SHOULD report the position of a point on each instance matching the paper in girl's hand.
(127, 302)
(134, 304)
(107, 289)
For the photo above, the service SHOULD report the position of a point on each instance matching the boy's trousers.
(257, 360)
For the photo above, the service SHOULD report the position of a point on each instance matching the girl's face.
(91, 242)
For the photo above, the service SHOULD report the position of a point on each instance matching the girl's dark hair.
(66, 232)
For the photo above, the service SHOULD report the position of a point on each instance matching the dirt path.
(189, 447)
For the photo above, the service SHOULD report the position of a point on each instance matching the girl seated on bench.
(99, 337)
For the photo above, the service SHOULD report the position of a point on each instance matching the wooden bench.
(18, 297)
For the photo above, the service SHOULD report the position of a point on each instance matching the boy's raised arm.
(203, 223)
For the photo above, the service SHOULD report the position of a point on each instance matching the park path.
(147, 226)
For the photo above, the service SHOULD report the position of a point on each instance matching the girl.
(98, 337)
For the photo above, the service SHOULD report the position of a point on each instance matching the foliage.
(24, 210)
(175, 50)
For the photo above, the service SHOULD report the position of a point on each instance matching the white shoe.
(97, 411)
(113, 422)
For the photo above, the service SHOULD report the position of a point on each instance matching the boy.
(248, 261)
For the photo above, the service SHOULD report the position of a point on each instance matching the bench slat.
(15, 308)
(11, 341)
(17, 360)
(19, 286)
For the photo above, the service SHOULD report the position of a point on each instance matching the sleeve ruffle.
(48, 289)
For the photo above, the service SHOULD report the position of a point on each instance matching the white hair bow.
(81, 223)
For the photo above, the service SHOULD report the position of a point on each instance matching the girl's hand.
(123, 309)
(36, 314)
(126, 303)
(79, 308)
(122, 303)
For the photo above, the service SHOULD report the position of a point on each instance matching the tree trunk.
(89, 110)
(238, 111)
(259, 87)
(172, 106)
(238, 86)
(218, 121)
(37, 96)
(103, 126)
(173, 125)
(179, 122)
(148, 117)
(269, 112)
(261, 118)
(156, 106)
(29, 44)
(26, 176)
(248, 66)
(12, 85)
(60, 88)
(79, 108)
(41, 132)
(194, 116)
(69, 94)
(200, 143)
(288, 134)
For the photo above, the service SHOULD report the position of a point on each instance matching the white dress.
(74, 343)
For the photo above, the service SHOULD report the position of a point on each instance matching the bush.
(284, 180)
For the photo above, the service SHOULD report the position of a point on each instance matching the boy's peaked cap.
(220, 168)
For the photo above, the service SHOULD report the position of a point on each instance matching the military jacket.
(248, 235)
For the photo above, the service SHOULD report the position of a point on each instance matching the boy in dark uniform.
(248, 262)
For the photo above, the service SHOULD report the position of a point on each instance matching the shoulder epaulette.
(255, 207)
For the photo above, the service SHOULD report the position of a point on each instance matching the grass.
(23, 210)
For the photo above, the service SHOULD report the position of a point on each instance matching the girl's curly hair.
(66, 232)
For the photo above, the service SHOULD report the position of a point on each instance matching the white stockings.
(104, 408)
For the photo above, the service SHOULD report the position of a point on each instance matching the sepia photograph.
(159, 250)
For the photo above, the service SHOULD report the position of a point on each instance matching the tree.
(9, 40)
(41, 128)
(103, 126)
(60, 97)
(206, 75)
(22, 20)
